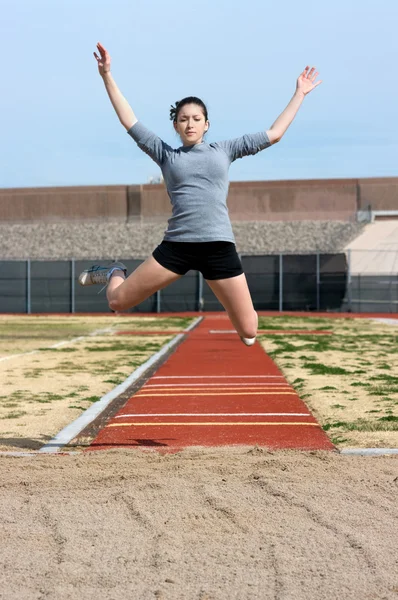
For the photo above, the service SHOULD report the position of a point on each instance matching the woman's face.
(191, 124)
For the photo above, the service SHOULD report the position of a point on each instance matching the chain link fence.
(309, 282)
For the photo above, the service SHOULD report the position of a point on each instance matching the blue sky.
(58, 127)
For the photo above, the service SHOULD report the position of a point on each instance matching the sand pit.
(215, 524)
(207, 524)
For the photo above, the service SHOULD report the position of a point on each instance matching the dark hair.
(174, 110)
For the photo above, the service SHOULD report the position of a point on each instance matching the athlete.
(199, 235)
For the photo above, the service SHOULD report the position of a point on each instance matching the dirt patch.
(24, 333)
(44, 391)
(349, 380)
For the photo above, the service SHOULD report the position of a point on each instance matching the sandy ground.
(206, 524)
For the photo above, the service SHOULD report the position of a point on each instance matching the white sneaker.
(248, 341)
(100, 273)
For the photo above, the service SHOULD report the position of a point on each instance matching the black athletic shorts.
(215, 260)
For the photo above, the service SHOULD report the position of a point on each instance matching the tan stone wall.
(321, 199)
(293, 200)
(155, 202)
(63, 203)
(381, 193)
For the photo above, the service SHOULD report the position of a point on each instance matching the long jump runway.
(214, 391)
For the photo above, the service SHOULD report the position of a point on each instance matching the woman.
(199, 234)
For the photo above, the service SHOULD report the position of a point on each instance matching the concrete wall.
(293, 200)
(269, 200)
(63, 203)
(380, 192)
(321, 199)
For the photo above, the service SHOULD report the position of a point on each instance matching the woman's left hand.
(305, 83)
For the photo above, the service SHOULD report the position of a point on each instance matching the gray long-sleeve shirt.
(197, 183)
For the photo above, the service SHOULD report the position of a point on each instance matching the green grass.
(15, 415)
(361, 348)
(157, 323)
(41, 397)
(389, 423)
(33, 374)
(125, 347)
(91, 399)
(338, 440)
(327, 388)
(385, 377)
(50, 330)
(54, 329)
(66, 367)
(58, 349)
(135, 363)
(115, 380)
(310, 323)
(343, 343)
(379, 390)
(320, 369)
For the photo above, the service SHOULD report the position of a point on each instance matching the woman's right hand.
(104, 61)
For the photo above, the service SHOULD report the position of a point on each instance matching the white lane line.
(194, 323)
(369, 451)
(385, 320)
(31, 454)
(216, 376)
(218, 393)
(237, 414)
(16, 355)
(214, 391)
(223, 331)
(270, 331)
(210, 423)
(58, 344)
(71, 431)
(344, 452)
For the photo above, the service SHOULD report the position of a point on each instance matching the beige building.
(295, 200)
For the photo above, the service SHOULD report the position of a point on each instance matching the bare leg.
(234, 295)
(148, 278)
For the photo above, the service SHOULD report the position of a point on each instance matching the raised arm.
(119, 102)
(305, 84)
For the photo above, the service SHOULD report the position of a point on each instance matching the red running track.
(215, 391)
